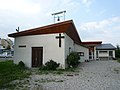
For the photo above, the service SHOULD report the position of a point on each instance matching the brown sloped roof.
(92, 42)
(67, 27)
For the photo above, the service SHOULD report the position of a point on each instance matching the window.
(69, 50)
(22, 46)
(90, 55)
(81, 53)
(102, 51)
(110, 53)
(97, 54)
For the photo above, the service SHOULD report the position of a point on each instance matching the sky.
(95, 20)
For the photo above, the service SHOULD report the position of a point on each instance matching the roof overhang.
(92, 43)
(67, 27)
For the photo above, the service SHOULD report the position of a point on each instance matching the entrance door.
(37, 56)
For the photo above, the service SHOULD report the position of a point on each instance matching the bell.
(58, 19)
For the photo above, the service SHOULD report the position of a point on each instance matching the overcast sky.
(94, 19)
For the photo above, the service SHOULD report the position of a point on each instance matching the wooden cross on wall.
(59, 37)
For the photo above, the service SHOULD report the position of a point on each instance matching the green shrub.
(118, 60)
(50, 65)
(73, 59)
(117, 53)
(21, 64)
(43, 67)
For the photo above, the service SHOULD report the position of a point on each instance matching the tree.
(117, 51)
(118, 47)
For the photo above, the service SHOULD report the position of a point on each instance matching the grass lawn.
(118, 60)
(10, 71)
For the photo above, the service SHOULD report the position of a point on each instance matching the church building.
(52, 42)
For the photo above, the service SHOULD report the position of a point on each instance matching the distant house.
(1, 47)
(92, 48)
(99, 51)
(1, 50)
(105, 51)
(37, 46)
(6, 49)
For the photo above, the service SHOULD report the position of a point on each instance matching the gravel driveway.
(94, 75)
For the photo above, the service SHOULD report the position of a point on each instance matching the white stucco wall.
(69, 45)
(79, 48)
(114, 53)
(105, 54)
(94, 53)
(50, 44)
